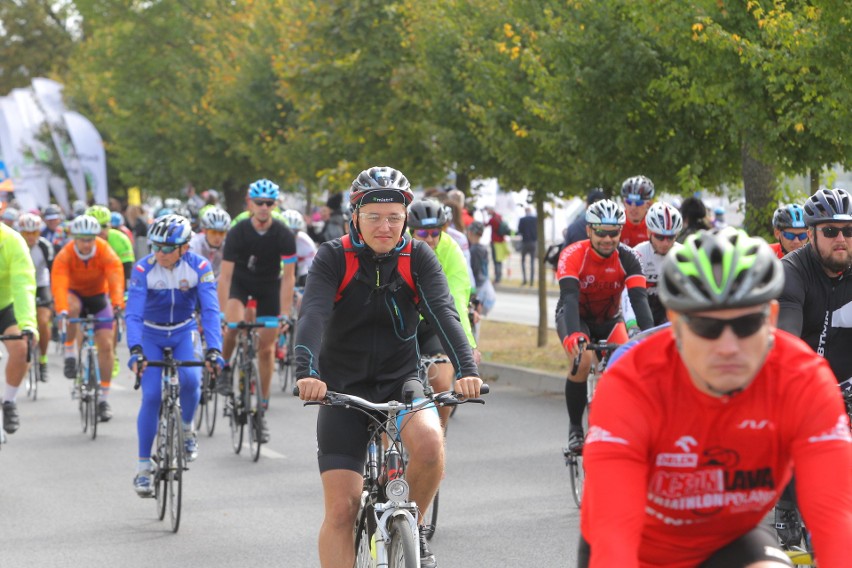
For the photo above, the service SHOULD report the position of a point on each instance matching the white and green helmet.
(720, 269)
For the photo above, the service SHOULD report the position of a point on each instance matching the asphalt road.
(68, 501)
(521, 307)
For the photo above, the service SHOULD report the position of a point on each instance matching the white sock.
(143, 465)
(10, 393)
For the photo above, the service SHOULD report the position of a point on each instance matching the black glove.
(214, 357)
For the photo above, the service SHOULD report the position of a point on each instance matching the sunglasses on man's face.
(634, 202)
(165, 249)
(264, 202)
(832, 232)
(712, 328)
(663, 237)
(424, 233)
(603, 233)
(797, 236)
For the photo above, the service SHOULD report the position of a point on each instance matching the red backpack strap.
(352, 265)
(403, 266)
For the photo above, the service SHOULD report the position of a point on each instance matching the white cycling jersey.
(651, 263)
(199, 245)
(306, 250)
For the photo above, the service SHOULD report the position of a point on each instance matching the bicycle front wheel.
(163, 461)
(365, 528)
(233, 411)
(404, 550)
(254, 396)
(210, 412)
(175, 467)
(33, 374)
(202, 409)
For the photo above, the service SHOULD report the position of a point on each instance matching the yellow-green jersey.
(17, 277)
(121, 245)
(452, 260)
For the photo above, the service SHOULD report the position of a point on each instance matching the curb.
(529, 379)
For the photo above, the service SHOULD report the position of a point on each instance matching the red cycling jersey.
(674, 474)
(777, 248)
(601, 279)
(632, 235)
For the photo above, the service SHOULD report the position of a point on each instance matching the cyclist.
(306, 248)
(664, 223)
(428, 221)
(87, 278)
(53, 230)
(165, 289)
(18, 300)
(209, 242)
(117, 240)
(9, 216)
(695, 430)
(41, 252)
(116, 221)
(817, 296)
(788, 224)
(592, 275)
(251, 267)
(361, 340)
(637, 193)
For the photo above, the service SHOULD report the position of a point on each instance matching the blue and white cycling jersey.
(165, 299)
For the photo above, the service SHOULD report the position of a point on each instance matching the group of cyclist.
(695, 429)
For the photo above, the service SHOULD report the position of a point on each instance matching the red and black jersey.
(673, 474)
(601, 279)
(776, 247)
(632, 235)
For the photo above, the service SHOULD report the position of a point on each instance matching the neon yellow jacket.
(17, 277)
(452, 260)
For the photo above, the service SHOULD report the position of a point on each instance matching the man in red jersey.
(637, 193)
(695, 431)
(788, 225)
(592, 275)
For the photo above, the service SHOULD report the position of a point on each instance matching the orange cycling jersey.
(100, 274)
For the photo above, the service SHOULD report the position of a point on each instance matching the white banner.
(48, 95)
(29, 176)
(89, 146)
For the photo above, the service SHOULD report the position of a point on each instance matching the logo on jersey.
(598, 434)
(686, 459)
(183, 284)
(840, 432)
(208, 276)
(752, 424)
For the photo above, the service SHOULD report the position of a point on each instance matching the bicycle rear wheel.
(94, 390)
(202, 409)
(163, 461)
(34, 373)
(210, 412)
(254, 406)
(175, 466)
(430, 518)
(404, 550)
(233, 410)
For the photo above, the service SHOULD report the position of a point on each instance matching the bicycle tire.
(176, 467)
(94, 390)
(232, 411)
(82, 394)
(210, 413)
(577, 477)
(34, 373)
(163, 459)
(430, 517)
(404, 549)
(254, 407)
(201, 409)
(365, 556)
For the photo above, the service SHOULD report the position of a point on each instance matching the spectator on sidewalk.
(499, 246)
(577, 228)
(528, 230)
(694, 214)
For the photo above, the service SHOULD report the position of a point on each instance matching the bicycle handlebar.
(599, 347)
(260, 324)
(24, 335)
(172, 363)
(446, 398)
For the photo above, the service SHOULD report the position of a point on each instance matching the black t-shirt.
(256, 257)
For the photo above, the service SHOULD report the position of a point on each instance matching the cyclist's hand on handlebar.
(311, 388)
(571, 344)
(213, 360)
(468, 387)
(137, 361)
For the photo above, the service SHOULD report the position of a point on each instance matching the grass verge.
(515, 344)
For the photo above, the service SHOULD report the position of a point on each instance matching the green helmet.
(720, 269)
(101, 213)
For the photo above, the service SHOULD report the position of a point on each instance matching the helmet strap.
(82, 256)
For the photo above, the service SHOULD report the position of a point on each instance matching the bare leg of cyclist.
(234, 312)
(266, 358)
(103, 339)
(342, 493)
(16, 368)
(424, 440)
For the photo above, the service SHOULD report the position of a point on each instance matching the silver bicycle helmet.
(663, 219)
(605, 212)
(827, 205)
(85, 226)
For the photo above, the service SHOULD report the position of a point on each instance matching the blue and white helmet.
(263, 189)
(605, 212)
(790, 216)
(294, 219)
(663, 219)
(170, 230)
(216, 219)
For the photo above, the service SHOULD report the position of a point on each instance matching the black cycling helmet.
(790, 216)
(827, 205)
(638, 188)
(380, 185)
(427, 214)
(720, 269)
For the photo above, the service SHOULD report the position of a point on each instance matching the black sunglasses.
(262, 202)
(602, 233)
(663, 237)
(832, 232)
(712, 328)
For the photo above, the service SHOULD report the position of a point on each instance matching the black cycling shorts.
(595, 331)
(757, 545)
(7, 318)
(267, 294)
(343, 433)
(43, 297)
(97, 306)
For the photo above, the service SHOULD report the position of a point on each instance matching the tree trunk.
(463, 182)
(814, 178)
(760, 183)
(233, 197)
(543, 273)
